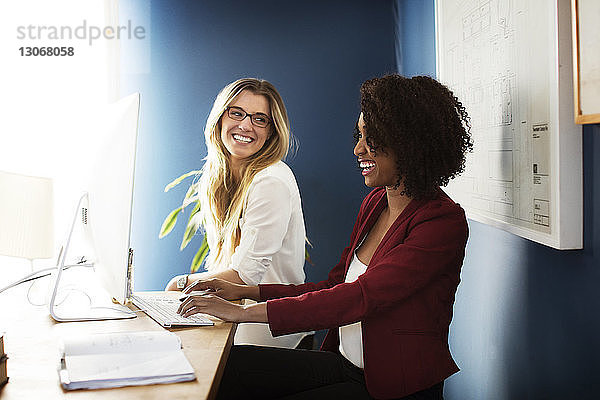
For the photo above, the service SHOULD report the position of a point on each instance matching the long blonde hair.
(222, 196)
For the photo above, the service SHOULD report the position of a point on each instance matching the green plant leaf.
(306, 253)
(307, 241)
(192, 227)
(307, 256)
(191, 195)
(177, 181)
(169, 222)
(200, 256)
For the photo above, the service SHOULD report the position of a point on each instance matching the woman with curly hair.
(388, 302)
(250, 204)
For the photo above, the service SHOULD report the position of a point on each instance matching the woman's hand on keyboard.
(224, 289)
(223, 309)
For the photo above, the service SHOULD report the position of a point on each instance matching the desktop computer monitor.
(104, 217)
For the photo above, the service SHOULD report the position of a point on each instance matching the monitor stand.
(99, 305)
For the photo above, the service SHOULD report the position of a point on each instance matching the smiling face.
(378, 168)
(241, 138)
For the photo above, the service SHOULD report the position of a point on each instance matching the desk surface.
(31, 342)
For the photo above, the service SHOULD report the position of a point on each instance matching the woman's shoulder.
(443, 202)
(441, 207)
(276, 178)
(278, 171)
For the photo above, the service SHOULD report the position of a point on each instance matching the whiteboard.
(509, 63)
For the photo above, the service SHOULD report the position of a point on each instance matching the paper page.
(111, 367)
(120, 342)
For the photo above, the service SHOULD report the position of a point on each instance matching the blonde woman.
(249, 198)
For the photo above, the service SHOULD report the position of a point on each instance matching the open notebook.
(123, 359)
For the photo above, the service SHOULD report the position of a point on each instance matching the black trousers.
(254, 372)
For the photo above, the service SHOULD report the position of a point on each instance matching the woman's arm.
(229, 275)
(336, 275)
(432, 251)
(266, 223)
(224, 289)
(220, 308)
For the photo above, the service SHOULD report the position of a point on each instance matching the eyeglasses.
(258, 119)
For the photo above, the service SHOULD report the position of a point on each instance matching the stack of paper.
(123, 359)
(3, 358)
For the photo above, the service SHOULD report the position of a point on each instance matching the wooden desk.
(32, 338)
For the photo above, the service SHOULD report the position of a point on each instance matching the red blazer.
(404, 299)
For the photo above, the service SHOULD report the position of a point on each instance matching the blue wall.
(316, 54)
(526, 320)
(415, 45)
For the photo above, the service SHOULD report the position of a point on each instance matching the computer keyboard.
(162, 307)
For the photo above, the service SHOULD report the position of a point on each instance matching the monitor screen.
(103, 218)
(111, 196)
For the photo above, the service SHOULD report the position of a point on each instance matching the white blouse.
(351, 344)
(271, 248)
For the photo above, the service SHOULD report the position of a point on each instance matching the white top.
(351, 344)
(271, 248)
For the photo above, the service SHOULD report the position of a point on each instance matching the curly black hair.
(423, 124)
